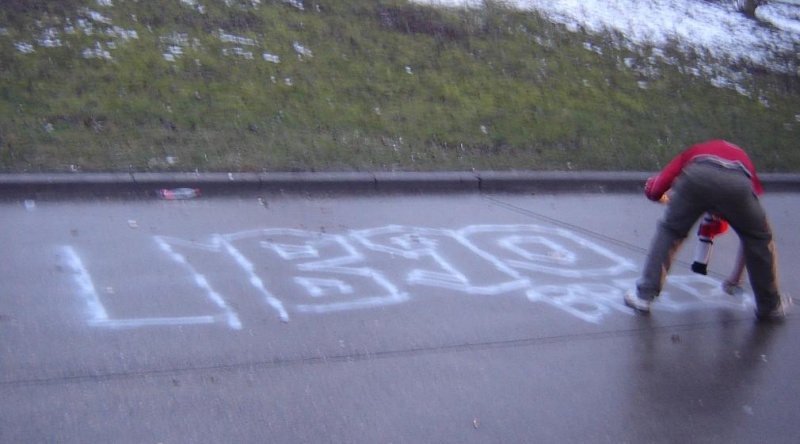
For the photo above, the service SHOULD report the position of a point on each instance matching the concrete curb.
(136, 184)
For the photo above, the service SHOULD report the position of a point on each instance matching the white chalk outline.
(408, 237)
(98, 315)
(539, 263)
(255, 280)
(338, 265)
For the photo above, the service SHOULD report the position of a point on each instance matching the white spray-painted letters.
(300, 271)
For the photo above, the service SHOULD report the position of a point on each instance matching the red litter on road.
(179, 193)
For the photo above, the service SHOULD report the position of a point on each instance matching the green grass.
(488, 89)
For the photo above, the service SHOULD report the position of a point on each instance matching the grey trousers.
(703, 187)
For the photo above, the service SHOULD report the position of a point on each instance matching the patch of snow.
(716, 29)
(783, 16)
(230, 38)
(25, 48)
(96, 53)
(296, 3)
(97, 17)
(302, 50)
(238, 52)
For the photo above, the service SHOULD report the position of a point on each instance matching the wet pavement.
(379, 318)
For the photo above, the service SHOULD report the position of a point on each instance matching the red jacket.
(720, 151)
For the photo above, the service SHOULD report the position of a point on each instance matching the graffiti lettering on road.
(300, 271)
(98, 315)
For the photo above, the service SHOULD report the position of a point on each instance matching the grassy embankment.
(387, 86)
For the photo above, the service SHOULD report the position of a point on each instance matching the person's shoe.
(778, 313)
(732, 288)
(635, 302)
(700, 268)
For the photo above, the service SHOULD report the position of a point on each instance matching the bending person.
(715, 176)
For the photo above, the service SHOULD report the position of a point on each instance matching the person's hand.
(648, 190)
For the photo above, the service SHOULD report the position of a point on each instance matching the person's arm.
(658, 185)
(733, 283)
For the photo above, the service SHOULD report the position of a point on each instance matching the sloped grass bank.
(355, 85)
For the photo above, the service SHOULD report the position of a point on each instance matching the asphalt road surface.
(382, 318)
